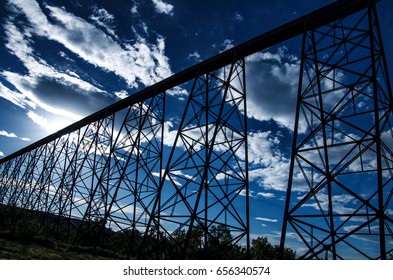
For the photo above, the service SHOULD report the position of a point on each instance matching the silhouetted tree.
(262, 250)
(220, 244)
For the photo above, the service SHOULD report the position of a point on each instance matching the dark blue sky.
(63, 60)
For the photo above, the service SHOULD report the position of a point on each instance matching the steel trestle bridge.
(112, 179)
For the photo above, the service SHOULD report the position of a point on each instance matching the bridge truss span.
(114, 174)
(138, 178)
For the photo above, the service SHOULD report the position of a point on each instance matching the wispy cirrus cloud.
(342, 203)
(41, 121)
(66, 91)
(266, 194)
(141, 62)
(13, 135)
(266, 219)
(7, 134)
(16, 98)
(29, 86)
(102, 18)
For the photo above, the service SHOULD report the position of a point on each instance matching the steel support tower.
(129, 178)
(339, 200)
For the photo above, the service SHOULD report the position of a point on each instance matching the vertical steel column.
(286, 216)
(378, 142)
(247, 181)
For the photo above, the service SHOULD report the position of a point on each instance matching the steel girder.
(339, 202)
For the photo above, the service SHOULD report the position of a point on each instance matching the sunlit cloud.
(266, 219)
(7, 134)
(121, 94)
(37, 119)
(52, 125)
(63, 91)
(15, 98)
(266, 195)
(141, 62)
(102, 18)
(13, 135)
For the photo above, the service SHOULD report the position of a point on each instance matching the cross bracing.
(343, 143)
(170, 187)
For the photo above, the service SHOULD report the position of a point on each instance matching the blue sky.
(63, 60)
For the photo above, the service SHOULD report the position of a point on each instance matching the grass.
(19, 246)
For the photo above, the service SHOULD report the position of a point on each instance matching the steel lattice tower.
(129, 177)
(340, 185)
(114, 174)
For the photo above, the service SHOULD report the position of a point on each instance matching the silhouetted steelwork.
(340, 187)
(128, 177)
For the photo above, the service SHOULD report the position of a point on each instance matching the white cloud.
(1, 154)
(134, 9)
(178, 91)
(195, 56)
(52, 125)
(261, 148)
(121, 94)
(7, 134)
(170, 134)
(13, 135)
(272, 80)
(342, 204)
(104, 19)
(266, 219)
(163, 7)
(244, 193)
(174, 176)
(37, 119)
(16, 98)
(26, 85)
(268, 167)
(19, 44)
(141, 62)
(272, 177)
(227, 44)
(266, 195)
